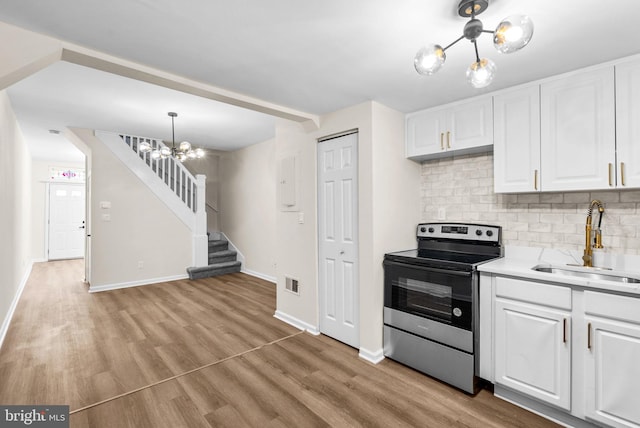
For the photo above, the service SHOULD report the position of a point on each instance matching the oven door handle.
(428, 269)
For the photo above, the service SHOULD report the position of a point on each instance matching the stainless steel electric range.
(431, 300)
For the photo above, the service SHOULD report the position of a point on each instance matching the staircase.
(170, 181)
(222, 260)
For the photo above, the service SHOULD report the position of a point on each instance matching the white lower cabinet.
(565, 351)
(532, 340)
(612, 362)
(533, 355)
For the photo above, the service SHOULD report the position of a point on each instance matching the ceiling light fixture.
(183, 152)
(511, 35)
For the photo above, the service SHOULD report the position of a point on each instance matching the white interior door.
(66, 221)
(338, 238)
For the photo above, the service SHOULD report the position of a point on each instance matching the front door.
(338, 238)
(66, 221)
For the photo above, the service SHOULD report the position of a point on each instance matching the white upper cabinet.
(628, 123)
(516, 152)
(425, 133)
(463, 127)
(578, 144)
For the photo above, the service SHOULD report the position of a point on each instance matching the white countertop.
(519, 261)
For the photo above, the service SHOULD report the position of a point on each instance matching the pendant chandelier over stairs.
(184, 151)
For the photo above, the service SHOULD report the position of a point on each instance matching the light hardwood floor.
(209, 353)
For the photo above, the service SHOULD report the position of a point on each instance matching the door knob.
(341, 252)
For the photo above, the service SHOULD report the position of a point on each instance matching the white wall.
(141, 228)
(248, 205)
(210, 167)
(296, 244)
(463, 186)
(15, 209)
(396, 211)
(388, 211)
(27, 53)
(40, 178)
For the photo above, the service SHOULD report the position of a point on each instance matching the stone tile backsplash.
(461, 189)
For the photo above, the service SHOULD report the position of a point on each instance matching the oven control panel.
(465, 231)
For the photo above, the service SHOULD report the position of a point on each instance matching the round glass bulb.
(429, 59)
(480, 74)
(199, 153)
(182, 157)
(144, 147)
(513, 33)
(156, 154)
(191, 154)
(185, 146)
(165, 152)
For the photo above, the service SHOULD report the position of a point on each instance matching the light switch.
(106, 217)
(105, 205)
(301, 217)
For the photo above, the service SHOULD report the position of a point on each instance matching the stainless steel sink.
(591, 273)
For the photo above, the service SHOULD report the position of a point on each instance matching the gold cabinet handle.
(448, 140)
(564, 330)
(610, 181)
(589, 336)
(442, 141)
(535, 179)
(622, 173)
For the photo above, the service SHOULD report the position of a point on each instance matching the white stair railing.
(183, 193)
(169, 170)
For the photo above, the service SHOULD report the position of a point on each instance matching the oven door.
(439, 294)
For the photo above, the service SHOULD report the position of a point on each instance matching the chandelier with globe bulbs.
(184, 151)
(511, 35)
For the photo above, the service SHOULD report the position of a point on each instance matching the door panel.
(337, 238)
(627, 124)
(66, 221)
(533, 352)
(578, 131)
(613, 372)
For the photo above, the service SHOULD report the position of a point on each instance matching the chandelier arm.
(488, 31)
(475, 45)
(453, 43)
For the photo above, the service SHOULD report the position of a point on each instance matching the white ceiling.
(316, 57)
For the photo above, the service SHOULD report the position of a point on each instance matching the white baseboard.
(259, 275)
(558, 416)
(14, 303)
(299, 324)
(108, 287)
(371, 356)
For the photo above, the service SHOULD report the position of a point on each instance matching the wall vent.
(291, 285)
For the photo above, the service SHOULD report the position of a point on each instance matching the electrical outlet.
(140, 264)
(442, 213)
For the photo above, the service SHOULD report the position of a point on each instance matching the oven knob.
(431, 230)
(457, 312)
(489, 233)
(423, 229)
(478, 232)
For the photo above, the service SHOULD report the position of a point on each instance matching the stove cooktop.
(439, 258)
